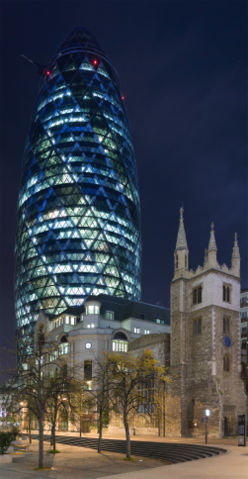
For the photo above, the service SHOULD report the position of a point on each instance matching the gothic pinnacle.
(181, 236)
(212, 243)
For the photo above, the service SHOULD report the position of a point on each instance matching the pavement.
(73, 462)
(232, 465)
(83, 463)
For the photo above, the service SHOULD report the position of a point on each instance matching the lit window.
(147, 331)
(88, 385)
(92, 309)
(63, 348)
(197, 295)
(226, 293)
(120, 346)
(136, 330)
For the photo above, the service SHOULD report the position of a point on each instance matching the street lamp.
(207, 413)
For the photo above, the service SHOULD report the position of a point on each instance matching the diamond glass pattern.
(79, 216)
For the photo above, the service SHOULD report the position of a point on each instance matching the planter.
(5, 458)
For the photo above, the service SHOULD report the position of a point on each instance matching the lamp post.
(207, 413)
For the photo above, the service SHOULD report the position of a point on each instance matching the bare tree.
(32, 386)
(101, 395)
(130, 380)
(63, 389)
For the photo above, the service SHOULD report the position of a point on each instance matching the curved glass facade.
(79, 217)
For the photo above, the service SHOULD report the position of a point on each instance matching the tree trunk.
(99, 447)
(128, 443)
(159, 424)
(41, 444)
(29, 429)
(53, 436)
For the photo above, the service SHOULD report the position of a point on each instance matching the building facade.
(198, 341)
(205, 340)
(244, 325)
(78, 229)
(80, 336)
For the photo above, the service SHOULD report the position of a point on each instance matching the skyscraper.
(78, 215)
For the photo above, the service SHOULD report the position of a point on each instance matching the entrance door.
(225, 426)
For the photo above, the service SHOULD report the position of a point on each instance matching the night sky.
(182, 67)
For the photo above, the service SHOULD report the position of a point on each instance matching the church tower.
(205, 340)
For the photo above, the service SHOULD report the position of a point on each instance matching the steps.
(169, 452)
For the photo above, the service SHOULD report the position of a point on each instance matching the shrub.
(5, 441)
(6, 437)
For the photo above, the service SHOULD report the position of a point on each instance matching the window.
(226, 325)
(147, 331)
(197, 326)
(176, 261)
(88, 385)
(136, 330)
(88, 370)
(119, 345)
(70, 320)
(227, 293)
(63, 348)
(197, 295)
(92, 309)
(226, 362)
(110, 315)
(119, 342)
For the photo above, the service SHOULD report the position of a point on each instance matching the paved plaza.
(77, 462)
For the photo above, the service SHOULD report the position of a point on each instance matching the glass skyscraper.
(78, 227)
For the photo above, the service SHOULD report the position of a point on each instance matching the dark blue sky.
(182, 66)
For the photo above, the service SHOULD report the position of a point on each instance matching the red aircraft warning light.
(122, 97)
(48, 73)
(95, 62)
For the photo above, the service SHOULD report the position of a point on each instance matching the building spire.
(181, 235)
(212, 249)
(236, 256)
(181, 255)
(212, 243)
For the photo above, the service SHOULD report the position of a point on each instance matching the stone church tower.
(205, 340)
